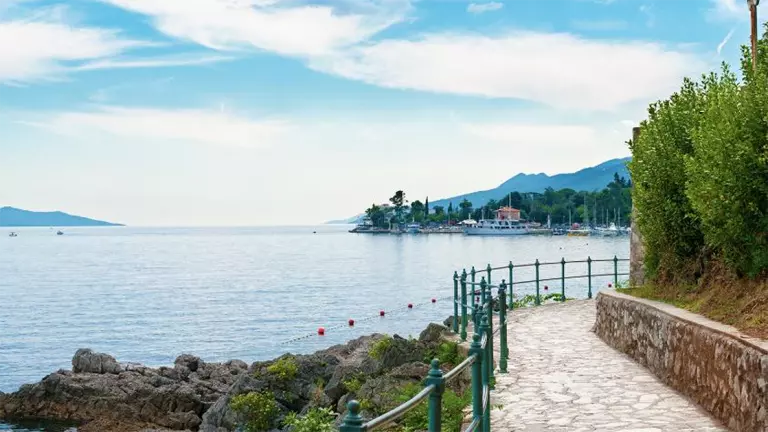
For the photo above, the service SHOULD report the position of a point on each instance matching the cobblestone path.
(564, 378)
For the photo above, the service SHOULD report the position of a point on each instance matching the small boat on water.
(13, 234)
(413, 228)
(611, 231)
(577, 231)
(59, 232)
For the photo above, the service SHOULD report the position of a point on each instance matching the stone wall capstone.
(718, 367)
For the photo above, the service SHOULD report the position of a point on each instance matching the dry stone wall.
(718, 367)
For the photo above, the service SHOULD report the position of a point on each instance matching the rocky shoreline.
(103, 395)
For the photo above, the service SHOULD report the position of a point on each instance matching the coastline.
(101, 394)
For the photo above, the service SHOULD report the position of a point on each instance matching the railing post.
(511, 285)
(435, 378)
(464, 305)
(455, 302)
(538, 296)
(615, 271)
(562, 279)
(474, 287)
(589, 277)
(504, 355)
(488, 307)
(352, 421)
(487, 366)
(483, 288)
(477, 377)
(488, 270)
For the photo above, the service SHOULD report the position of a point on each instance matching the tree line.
(612, 204)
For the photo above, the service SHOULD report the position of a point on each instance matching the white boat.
(611, 231)
(498, 227)
(413, 228)
(13, 234)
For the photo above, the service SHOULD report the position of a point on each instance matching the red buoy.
(546, 287)
(434, 300)
(381, 313)
(410, 305)
(321, 331)
(351, 322)
(609, 285)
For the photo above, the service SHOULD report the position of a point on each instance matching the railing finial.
(353, 422)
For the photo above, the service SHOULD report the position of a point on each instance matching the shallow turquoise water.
(149, 294)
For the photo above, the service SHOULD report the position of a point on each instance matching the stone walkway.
(564, 378)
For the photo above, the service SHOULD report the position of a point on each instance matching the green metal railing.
(465, 285)
(481, 361)
(477, 306)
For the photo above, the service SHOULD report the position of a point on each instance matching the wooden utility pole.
(753, 18)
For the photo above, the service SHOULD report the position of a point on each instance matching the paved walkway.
(564, 378)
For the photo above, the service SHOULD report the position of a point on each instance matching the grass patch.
(719, 295)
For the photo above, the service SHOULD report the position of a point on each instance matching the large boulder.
(99, 389)
(87, 361)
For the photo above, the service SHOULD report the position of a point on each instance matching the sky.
(281, 112)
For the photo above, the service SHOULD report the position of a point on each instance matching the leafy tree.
(466, 209)
(417, 211)
(398, 201)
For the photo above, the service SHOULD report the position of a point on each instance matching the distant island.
(14, 217)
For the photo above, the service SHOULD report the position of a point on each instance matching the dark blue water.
(149, 294)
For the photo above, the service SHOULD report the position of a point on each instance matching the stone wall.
(722, 370)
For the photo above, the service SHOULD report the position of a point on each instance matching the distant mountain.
(13, 217)
(587, 179)
(352, 220)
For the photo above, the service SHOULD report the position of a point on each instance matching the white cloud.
(123, 63)
(268, 25)
(48, 48)
(484, 7)
(728, 10)
(46, 45)
(197, 126)
(725, 40)
(556, 69)
(533, 134)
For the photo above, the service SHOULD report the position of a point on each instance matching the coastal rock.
(433, 333)
(88, 361)
(104, 395)
(100, 389)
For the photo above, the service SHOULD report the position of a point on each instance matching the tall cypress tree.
(426, 207)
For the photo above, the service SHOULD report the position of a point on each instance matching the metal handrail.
(399, 411)
(453, 373)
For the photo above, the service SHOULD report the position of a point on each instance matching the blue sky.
(249, 112)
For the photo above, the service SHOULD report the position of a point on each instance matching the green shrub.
(446, 353)
(316, 420)
(727, 174)
(452, 409)
(285, 369)
(664, 215)
(380, 347)
(353, 384)
(530, 300)
(259, 410)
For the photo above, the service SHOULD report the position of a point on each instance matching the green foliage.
(316, 420)
(380, 347)
(700, 168)
(259, 410)
(446, 353)
(353, 384)
(285, 369)
(530, 300)
(452, 409)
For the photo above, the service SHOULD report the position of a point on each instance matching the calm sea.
(149, 294)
